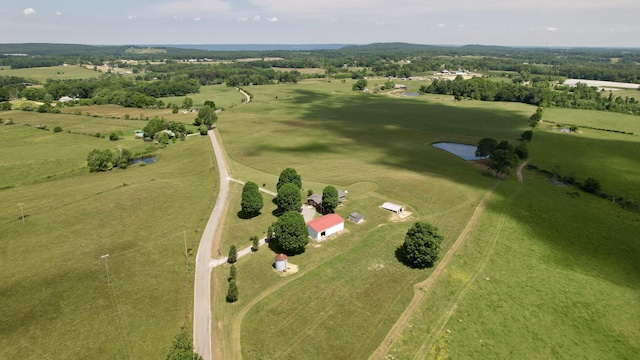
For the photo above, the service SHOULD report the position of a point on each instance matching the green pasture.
(42, 74)
(351, 289)
(544, 275)
(57, 301)
(223, 96)
(609, 157)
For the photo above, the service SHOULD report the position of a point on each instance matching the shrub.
(203, 130)
(232, 292)
(114, 135)
(255, 243)
(232, 273)
(233, 254)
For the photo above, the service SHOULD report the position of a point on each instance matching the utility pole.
(106, 265)
(21, 212)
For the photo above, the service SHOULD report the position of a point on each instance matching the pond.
(463, 151)
(147, 160)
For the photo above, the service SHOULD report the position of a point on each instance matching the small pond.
(147, 160)
(463, 151)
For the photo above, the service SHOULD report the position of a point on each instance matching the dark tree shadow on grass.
(245, 216)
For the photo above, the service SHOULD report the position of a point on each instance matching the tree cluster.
(502, 156)
(104, 160)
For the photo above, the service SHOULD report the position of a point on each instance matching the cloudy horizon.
(567, 23)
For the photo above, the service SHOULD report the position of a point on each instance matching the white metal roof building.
(393, 207)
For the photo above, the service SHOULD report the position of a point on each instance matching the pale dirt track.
(421, 289)
(519, 171)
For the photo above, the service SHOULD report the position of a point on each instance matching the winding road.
(204, 261)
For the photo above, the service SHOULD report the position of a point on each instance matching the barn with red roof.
(325, 226)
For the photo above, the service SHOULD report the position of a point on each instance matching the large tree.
(329, 199)
(289, 198)
(291, 233)
(207, 115)
(486, 146)
(421, 245)
(154, 126)
(289, 175)
(252, 200)
(501, 160)
(100, 160)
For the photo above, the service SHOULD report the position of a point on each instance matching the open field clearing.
(54, 72)
(58, 301)
(223, 96)
(522, 288)
(609, 157)
(351, 289)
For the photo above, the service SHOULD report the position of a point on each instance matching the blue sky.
(610, 23)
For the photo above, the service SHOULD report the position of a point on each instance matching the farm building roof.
(355, 216)
(322, 223)
(281, 257)
(392, 207)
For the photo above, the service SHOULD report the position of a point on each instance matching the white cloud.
(381, 23)
(190, 7)
(552, 29)
(131, 17)
(197, 19)
(256, 18)
(58, 13)
(242, 19)
(460, 25)
(272, 19)
(441, 25)
(29, 11)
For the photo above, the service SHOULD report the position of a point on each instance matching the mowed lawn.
(350, 290)
(57, 300)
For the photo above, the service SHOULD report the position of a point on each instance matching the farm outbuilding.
(325, 226)
(281, 262)
(393, 207)
(356, 217)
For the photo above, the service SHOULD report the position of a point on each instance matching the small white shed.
(281, 262)
(393, 207)
(325, 226)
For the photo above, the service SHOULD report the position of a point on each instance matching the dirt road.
(519, 171)
(421, 289)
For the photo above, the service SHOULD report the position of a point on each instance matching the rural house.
(325, 226)
(315, 200)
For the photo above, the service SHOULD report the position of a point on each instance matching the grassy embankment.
(56, 300)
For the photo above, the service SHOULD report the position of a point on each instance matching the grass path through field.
(421, 288)
(519, 171)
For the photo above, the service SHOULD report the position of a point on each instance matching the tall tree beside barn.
(289, 175)
(330, 199)
(289, 198)
(291, 233)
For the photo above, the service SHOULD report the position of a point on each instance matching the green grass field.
(544, 273)
(223, 96)
(56, 301)
(350, 290)
(54, 72)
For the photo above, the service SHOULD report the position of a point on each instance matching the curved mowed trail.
(420, 289)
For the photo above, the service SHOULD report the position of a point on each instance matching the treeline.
(11, 86)
(539, 93)
(110, 89)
